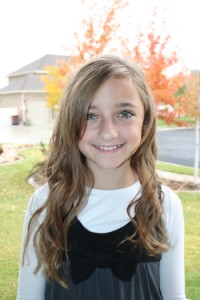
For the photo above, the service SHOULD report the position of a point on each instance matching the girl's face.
(114, 126)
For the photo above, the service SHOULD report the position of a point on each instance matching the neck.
(111, 179)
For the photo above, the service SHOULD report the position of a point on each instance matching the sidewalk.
(177, 177)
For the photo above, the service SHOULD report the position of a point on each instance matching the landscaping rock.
(9, 152)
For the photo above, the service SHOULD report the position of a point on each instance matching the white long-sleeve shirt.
(106, 211)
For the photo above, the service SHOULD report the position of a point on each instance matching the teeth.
(109, 148)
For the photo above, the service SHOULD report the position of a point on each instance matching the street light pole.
(196, 156)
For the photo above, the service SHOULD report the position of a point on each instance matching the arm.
(31, 286)
(172, 277)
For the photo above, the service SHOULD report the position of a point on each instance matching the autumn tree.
(95, 37)
(54, 82)
(152, 50)
(189, 95)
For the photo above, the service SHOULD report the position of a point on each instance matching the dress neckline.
(84, 230)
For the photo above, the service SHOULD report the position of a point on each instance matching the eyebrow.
(120, 105)
(126, 104)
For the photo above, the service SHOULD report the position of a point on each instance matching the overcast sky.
(30, 29)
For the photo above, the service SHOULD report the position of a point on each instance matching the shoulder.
(38, 198)
(172, 207)
(42, 192)
(170, 200)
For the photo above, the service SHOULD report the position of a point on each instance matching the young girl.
(103, 227)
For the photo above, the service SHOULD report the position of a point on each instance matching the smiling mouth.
(108, 148)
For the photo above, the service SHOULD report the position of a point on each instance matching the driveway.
(20, 134)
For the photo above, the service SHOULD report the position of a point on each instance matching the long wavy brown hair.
(68, 174)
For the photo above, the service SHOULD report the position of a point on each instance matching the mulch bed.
(181, 186)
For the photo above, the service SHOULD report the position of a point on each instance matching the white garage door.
(38, 112)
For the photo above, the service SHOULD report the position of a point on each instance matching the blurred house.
(23, 100)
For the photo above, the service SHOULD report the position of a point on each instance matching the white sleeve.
(172, 276)
(31, 286)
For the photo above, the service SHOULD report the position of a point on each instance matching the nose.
(108, 130)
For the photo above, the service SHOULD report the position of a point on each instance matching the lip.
(108, 148)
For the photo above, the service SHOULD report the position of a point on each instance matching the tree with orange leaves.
(189, 95)
(97, 32)
(152, 52)
(178, 94)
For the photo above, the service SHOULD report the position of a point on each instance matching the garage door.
(38, 112)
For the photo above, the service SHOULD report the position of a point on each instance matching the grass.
(14, 194)
(191, 206)
(175, 168)
(189, 120)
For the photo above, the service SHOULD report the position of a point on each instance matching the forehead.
(115, 90)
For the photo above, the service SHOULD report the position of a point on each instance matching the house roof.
(28, 78)
(40, 64)
(24, 83)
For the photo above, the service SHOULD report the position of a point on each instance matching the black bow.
(123, 265)
(89, 251)
(84, 262)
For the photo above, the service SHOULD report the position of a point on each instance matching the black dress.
(103, 269)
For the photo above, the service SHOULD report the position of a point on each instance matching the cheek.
(84, 141)
(81, 147)
(86, 136)
(133, 131)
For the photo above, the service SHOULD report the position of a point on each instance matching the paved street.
(175, 146)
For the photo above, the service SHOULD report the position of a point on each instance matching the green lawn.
(189, 120)
(14, 194)
(191, 205)
(175, 168)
